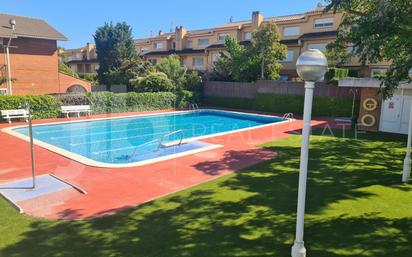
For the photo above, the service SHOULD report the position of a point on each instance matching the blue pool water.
(118, 140)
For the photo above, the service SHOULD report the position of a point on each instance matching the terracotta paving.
(111, 190)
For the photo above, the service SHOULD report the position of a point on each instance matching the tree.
(379, 31)
(267, 47)
(115, 48)
(237, 62)
(258, 60)
(173, 68)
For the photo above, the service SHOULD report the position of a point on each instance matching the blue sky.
(78, 19)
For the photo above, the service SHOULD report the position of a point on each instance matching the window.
(215, 56)
(291, 31)
(247, 36)
(203, 42)
(324, 23)
(144, 50)
(174, 45)
(153, 61)
(158, 45)
(189, 44)
(222, 36)
(197, 62)
(3, 91)
(376, 73)
(78, 56)
(289, 56)
(320, 46)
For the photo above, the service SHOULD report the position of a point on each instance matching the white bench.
(77, 109)
(15, 114)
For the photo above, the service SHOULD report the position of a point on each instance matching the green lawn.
(356, 207)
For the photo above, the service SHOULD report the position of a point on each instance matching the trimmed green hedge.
(322, 105)
(102, 102)
(107, 102)
(43, 106)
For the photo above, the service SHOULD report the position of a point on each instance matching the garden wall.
(250, 90)
(113, 88)
(280, 97)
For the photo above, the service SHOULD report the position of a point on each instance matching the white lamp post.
(311, 67)
(407, 161)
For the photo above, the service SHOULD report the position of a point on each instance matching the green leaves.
(258, 60)
(114, 48)
(172, 67)
(380, 31)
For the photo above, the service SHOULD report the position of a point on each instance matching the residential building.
(199, 48)
(82, 60)
(33, 58)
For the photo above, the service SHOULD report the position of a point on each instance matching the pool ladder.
(160, 141)
(288, 116)
(193, 106)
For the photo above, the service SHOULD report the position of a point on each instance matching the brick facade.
(34, 65)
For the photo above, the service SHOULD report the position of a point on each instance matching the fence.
(250, 90)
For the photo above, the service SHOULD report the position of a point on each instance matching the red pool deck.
(112, 189)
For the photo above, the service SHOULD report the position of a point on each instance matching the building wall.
(34, 66)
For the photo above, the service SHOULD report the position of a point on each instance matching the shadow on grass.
(251, 213)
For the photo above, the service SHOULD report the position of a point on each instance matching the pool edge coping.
(89, 162)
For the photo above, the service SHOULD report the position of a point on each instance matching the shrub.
(42, 106)
(193, 82)
(67, 70)
(91, 77)
(72, 99)
(153, 82)
(322, 105)
(184, 98)
(333, 75)
(107, 102)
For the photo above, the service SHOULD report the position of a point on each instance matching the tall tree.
(379, 31)
(114, 47)
(267, 47)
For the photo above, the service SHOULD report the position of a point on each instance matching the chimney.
(160, 33)
(180, 34)
(257, 19)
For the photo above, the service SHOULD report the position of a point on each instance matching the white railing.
(288, 116)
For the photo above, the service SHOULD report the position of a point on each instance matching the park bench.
(77, 109)
(15, 114)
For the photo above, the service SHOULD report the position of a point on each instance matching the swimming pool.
(124, 141)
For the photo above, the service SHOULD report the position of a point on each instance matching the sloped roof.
(28, 27)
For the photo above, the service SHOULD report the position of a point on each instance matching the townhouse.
(81, 60)
(198, 49)
(29, 57)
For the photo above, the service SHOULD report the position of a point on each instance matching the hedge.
(42, 107)
(47, 106)
(322, 105)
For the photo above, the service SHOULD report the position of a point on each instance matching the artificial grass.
(356, 206)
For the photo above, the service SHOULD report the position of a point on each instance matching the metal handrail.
(172, 133)
(160, 140)
(148, 143)
(194, 106)
(288, 115)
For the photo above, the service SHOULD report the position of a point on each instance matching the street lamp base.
(406, 168)
(298, 249)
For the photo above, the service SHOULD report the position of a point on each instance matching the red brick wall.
(34, 65)
(67, 81)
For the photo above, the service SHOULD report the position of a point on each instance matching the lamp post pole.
(298, 248)
(311, 66)
(407, 161)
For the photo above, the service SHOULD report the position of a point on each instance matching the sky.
(78, 19)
